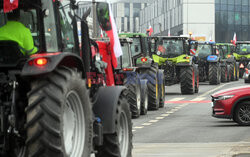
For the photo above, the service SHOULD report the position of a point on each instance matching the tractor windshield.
(125, 57)
(136, 47)
(243, 49)
(204, 50)
(224, 51)
(170, 48)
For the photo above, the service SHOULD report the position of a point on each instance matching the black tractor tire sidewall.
(111, 143)
(144, 97)
(214, 73)
(224, 74)
(153, 98)
(197, 79)
(187, 80)
(133, 86)
(52, 92)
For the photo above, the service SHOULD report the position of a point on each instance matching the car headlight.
(225, 97)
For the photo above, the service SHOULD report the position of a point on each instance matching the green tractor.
(147, 69)
(229, 66)
(173, 56)
(242, 55)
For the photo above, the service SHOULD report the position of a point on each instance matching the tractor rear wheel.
(144, 96)
(228, 73)
(59, 116)
(118, 144)
(237, 72)
(134, 95)
(197, 79)
(161, 78)
(187, 80)
(214, 73)
(224, 74)
(232, 71)
(153, 89)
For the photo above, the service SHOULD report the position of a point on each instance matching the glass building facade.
(232, 16)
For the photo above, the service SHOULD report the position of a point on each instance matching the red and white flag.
(169, 33)
(113, 35)
(234, 39)
(9, 5)
(150, 30)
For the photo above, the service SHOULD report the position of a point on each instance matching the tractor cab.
(171, 47)
(50, 25)
(206, 49)
(243, 47)
(125, 61)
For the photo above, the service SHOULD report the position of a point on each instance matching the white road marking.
(178, 107)
(208, 92)
(165, 115)
(169, 112)
(153, 121)
(159, 118)
(174, 109)
(176, 99)
(133, 130)
(198, 99)
(138, 127)
(146, 124)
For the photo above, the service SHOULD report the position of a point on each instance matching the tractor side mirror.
(103, 16)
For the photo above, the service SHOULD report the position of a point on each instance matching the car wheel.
(242, 113)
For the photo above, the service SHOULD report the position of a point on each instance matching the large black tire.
(237, 72)
(144, 97)
(153, 89)
(50, 99)
(232, 71)
(187, 80)
(133, 95)
(197, 79)
(229, 74)
(224, 74)
(111, 146)
(242, 109)
(161, 79)
(214, 73)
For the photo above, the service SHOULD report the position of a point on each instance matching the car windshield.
(170, 48)
(136, 46)
(204, 50)
(243, 49)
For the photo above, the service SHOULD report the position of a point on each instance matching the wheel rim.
(138, 98)
(73, 126)
(123, 135)
(244, 113)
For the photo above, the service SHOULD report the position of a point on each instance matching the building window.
(127, 10)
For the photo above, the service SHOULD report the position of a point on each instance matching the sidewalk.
(236, 149)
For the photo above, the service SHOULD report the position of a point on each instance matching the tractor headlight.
(225, 97)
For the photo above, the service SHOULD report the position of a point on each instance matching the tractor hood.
(233, 91)
(238, 57)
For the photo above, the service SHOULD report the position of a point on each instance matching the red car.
(233, 103)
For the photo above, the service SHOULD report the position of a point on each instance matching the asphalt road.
(185, 128)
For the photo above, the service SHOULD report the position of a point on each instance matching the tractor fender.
(213, 58)
(105, 106)
(53, 61)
